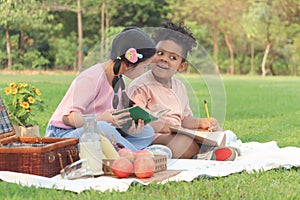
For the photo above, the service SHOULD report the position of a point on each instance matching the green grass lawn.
(257, 109)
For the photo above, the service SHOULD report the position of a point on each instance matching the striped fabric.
(5, 123)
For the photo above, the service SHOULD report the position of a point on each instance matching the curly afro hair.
(178, 33)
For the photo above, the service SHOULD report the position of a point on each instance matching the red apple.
(144, 167)
(127, 153)
(122, 167)
(143, 153)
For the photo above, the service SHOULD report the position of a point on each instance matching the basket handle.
(70, 153)
(60, 160)
(70, 156)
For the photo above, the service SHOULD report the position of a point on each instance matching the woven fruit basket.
(33, 155)
(160, 161)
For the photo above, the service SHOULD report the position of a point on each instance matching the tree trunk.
(231, 52)
(107, 43)
(8, 47)
(252, 58)
(216, 48)
(102, 30)
(263, 64)
(271, 64)
(79, 56)
(21, 46)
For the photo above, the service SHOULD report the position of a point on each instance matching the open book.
(138, 112)
(203, 137)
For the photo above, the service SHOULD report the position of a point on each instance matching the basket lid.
(6, 127)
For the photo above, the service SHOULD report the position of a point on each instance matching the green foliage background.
(245, 27)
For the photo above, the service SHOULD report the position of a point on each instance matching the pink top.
(146, 92)
(89, 93)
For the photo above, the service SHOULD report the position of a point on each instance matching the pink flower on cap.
(132, 55)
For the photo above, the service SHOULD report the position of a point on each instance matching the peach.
(122, 167)
(144, 167)
(143, 153)
(127, 153)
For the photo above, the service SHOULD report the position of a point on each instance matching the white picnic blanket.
(254, 157)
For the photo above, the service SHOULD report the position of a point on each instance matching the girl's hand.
(106, 116)
(211, 125)
(116, 120)
(120, 119)
(161, 126)
(134, 129)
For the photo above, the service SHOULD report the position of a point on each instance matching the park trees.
(243, 36)
(24, 18)
(259, 34)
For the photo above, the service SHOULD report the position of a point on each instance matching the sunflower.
(14, 90)
(38, 92)
(31, 100)
(20, 85)
(7, 91)
(12, 85)
(24, 105)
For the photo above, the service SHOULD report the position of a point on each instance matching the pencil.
(206, 109)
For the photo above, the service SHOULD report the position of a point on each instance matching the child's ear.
(182, 67)
(125, 66)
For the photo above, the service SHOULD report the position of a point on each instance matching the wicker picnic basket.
(33, 155)
(160, 161)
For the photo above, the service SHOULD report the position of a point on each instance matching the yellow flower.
(21, 102)
(7, 91)
(14, 90)
(31, 100)
(37, 91)
(24, 104)
(20, 85)
(12, 85)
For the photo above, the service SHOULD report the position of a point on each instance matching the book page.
(210, 138)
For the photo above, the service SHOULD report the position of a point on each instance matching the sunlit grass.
(257, 109)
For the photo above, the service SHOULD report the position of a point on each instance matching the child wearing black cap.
(100, 90)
